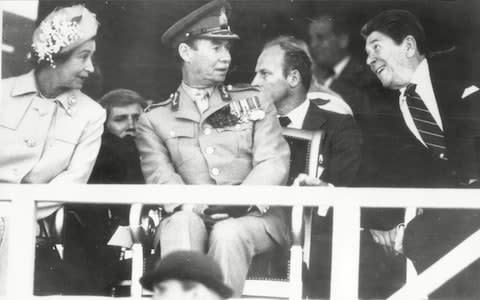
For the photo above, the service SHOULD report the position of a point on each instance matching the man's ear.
(185, 52)
(410, 45)
(294, 78)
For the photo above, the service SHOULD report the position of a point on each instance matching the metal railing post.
(21, 247)
(345, 252)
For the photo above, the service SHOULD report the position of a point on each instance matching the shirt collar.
(420, 77)
(340, 66)
(191, 91)
(297, 115)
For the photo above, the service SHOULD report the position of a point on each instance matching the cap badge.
(222, 19)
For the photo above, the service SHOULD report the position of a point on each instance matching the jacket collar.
(314, 119)
(26, 84)
(186, 107)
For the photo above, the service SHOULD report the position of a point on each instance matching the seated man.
(440, 144)
(283, 73)
(209, 134)
(186, 275)
(88, 227)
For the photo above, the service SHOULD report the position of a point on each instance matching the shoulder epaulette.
(173, 99)
(242, 87)
(319, 101)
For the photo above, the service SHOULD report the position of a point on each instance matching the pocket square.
(468, 91)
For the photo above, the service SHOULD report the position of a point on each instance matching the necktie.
(201, 99)
(284, 121)
(426, 125)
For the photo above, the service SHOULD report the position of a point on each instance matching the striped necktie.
(426, 125)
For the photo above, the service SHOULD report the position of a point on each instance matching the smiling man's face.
(388, 60)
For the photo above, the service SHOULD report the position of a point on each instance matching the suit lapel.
(314, 119)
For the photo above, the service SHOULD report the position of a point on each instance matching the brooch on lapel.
(247, 109)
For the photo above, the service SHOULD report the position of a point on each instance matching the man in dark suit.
(335, 67)
(283, 71)
(441, 112)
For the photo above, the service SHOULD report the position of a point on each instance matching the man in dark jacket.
(440, 146)
(283, 72)
(89, 227)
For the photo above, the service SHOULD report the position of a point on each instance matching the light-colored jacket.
(45, 141)
(181, 147)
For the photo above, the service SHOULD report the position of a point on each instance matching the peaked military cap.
(208, 21)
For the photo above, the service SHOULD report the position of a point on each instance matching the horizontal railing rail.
(20, 201)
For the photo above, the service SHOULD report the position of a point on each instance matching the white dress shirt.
(297, 115)
(424, 89)
(337, 70)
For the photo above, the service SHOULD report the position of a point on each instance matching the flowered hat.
(62, 30)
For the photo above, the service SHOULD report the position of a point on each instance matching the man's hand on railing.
(306, 180)
(391, 240)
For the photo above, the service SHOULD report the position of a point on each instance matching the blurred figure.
(186, 275)
(331, 100)
(89, 227)
(283, 73)
(49, 130)
(333, 65)
(208, 133)
(441, 109)
(336, 67)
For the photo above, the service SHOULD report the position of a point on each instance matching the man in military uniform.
(207, 133)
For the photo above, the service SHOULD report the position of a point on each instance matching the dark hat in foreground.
(188, 265)
(208, 21)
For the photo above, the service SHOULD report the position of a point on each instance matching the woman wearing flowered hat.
(50, 132)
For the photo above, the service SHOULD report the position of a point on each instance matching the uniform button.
(207, 131)
(215, 172)
(30, 142)
(172, 133)
(210, 150)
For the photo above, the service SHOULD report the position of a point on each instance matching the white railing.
(347, 202)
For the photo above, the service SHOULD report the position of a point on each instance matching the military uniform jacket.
(45, 141)
(180, 147)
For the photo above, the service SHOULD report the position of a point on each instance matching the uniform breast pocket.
(61, 146)
(240, 136)
(182, 145)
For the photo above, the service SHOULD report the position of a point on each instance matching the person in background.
(118, 160)
(186, 275)
(89, 227)
(338, 68)
(440, 106)
(50, 131)
(208, 133)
